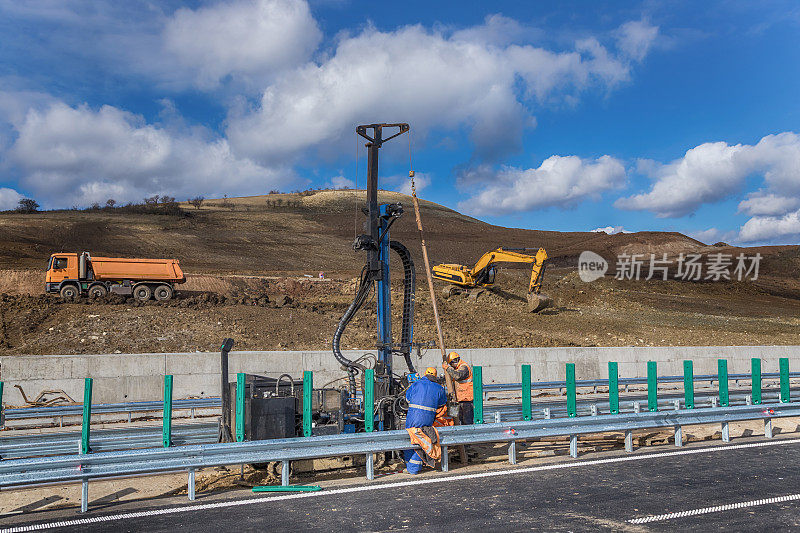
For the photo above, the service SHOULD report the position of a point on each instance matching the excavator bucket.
(474, 293)
(537, 302)
(450, 290)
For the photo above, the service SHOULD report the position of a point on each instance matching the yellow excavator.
(483, 273)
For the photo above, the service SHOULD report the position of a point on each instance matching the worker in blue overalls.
(424, 397)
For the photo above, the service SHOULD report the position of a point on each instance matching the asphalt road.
(596, 492)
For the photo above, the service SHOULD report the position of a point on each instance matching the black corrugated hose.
(362, 293)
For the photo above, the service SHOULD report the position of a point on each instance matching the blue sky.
(570, 116)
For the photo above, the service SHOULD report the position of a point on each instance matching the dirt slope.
(301, 233)
(247, 268)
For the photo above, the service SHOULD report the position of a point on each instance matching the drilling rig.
(273, 407)
(375, 275)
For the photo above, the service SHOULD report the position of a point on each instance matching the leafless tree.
(197, 201)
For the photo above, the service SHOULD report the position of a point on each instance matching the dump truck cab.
(62, 267)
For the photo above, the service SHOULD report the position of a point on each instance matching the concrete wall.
(137, 377)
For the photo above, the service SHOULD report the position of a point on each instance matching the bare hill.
(291, 233)
(247, 257)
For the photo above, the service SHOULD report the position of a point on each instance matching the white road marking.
(382, 486)
(716, 509)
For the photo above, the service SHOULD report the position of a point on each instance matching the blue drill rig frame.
(377, 244)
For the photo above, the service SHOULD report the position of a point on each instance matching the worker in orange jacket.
(461, 373)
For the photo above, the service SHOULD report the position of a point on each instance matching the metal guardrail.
(106, 440)
(60, 411)
(26, 446)
(131, 462)
(543, 385)
(107, 408)
(554, 409)
(189, 458)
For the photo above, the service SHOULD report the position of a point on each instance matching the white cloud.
(478, 78)
(771, 229)
(611, 230)
(252, 39)
(760, 204)
(9, 198)
(419, 76)
(558, 181)
(421, 181)
(778, 157)
(14, 103)
(245, 43)
(498, 30)
(635, 38)
(340, 182)
(707, 236)
(79, 155)
(712, 172)
(707, 173)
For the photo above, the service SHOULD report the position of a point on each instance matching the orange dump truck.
(76, 275)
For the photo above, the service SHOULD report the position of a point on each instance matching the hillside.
(252, 264)
(294, 233)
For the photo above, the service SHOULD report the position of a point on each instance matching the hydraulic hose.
(363, 290)
(362, 293)
(409, 292)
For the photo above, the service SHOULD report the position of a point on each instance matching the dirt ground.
(105, 494)
(253, 275)
(274, 313)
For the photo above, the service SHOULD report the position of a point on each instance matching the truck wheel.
(163, 292)
(70, 293)
(142, 293)
(97, 291)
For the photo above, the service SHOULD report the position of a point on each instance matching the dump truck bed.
(115, 268)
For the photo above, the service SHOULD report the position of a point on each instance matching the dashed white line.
(383, 486)
(715, 509)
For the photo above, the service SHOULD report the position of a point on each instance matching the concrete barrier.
(139, 377)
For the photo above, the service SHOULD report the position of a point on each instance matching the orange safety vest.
(464, 387)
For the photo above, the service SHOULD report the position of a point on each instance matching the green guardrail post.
(572, 408)
(526, 392)
(688, 385)
(477, 395)
(784, 366)
(87, 414)
(369, 400)
(308, 388)
(722, 376)
(240, 386)
(1, 404)
(755, 380)
(167, 414)
(652, 386)
(613, 388)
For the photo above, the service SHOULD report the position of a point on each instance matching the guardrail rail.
(95, 464)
